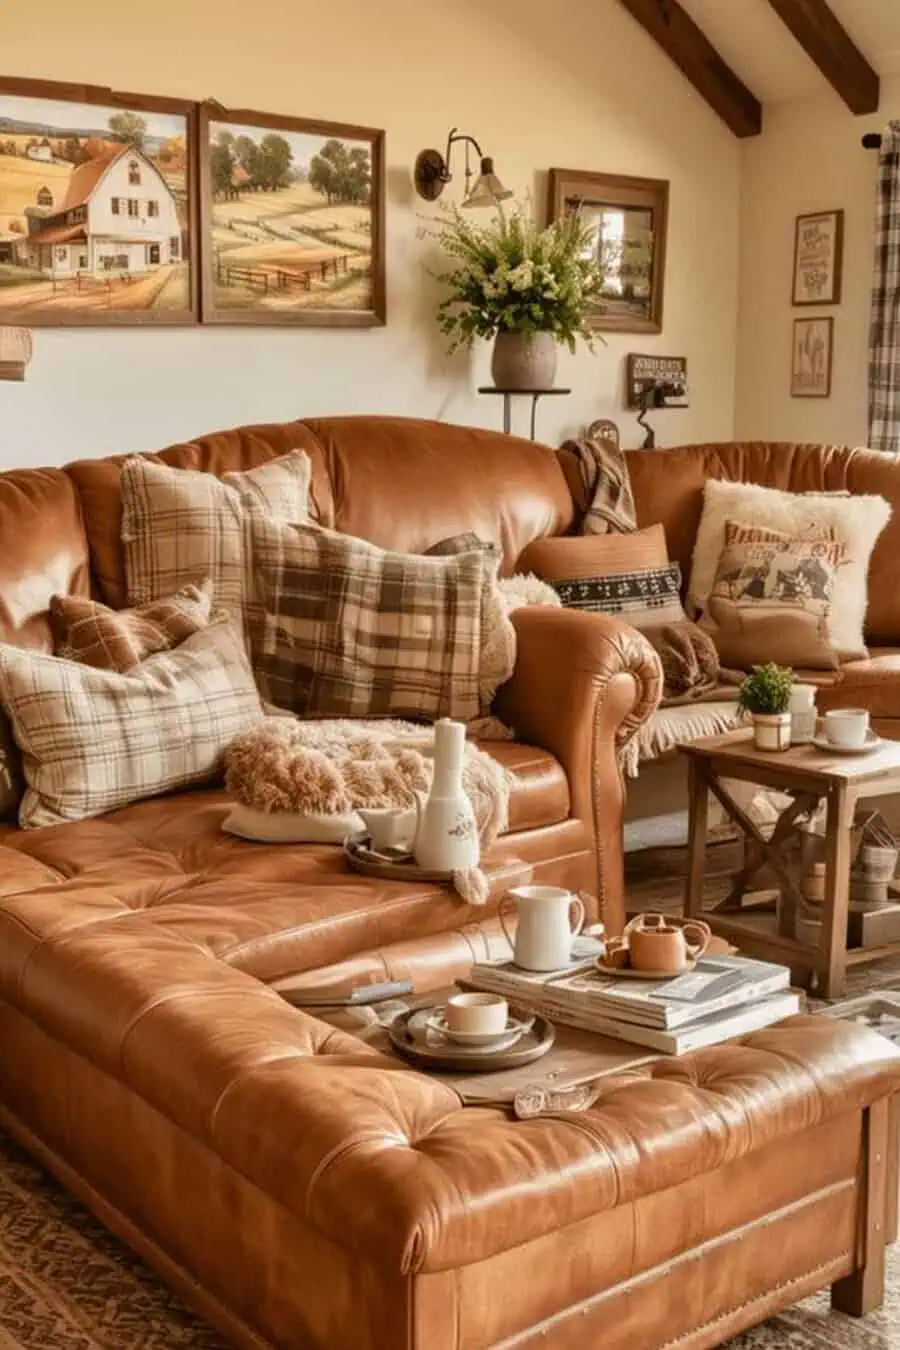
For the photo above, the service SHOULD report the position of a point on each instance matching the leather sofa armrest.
(582, 687)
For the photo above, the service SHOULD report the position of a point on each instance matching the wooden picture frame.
(818, 258)
(279, 272)
(634, 302)
(812, 357)
(98, 206)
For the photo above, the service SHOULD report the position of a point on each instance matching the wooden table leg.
(698, 820)
(833, 971)
(863, 1291)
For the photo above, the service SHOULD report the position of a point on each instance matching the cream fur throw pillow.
(854, 521)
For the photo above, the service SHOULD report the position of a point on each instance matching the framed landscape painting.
(292, 220)
(97, 206)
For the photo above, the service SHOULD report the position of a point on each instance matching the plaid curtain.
(884, 335)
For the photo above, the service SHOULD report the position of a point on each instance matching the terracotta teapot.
(657, 945)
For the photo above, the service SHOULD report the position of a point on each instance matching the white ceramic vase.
(447, 833)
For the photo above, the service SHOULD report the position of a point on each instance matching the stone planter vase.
(524, 360)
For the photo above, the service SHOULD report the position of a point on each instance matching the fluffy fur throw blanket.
(332, 767)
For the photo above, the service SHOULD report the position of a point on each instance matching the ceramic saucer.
(872, 742)
(514, 1030)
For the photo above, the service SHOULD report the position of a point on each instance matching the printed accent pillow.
(117, 639)
(182, 527)
(94, 740)
(348, 629)
(854, 521)
(772, 598)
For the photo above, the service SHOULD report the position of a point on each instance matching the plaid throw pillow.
(180, 526)
(117, 639)
(348, 629)
(95, 740)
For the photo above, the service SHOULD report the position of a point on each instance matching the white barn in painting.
(119, 216)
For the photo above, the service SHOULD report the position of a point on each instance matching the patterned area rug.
(67, 1284)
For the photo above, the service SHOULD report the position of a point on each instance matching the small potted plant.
(766, 694)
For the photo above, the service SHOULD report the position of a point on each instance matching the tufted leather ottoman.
(304, 1191)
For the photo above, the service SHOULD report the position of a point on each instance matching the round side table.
(509, 394)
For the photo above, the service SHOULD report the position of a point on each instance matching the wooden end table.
(807, 776)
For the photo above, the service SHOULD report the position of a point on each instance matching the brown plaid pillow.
(352, 630)
(180, 526)
(95, 740)
(117, 639)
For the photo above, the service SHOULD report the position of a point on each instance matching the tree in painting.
(342, 173)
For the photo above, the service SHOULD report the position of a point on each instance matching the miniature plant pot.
(772, 731)
(877, 862)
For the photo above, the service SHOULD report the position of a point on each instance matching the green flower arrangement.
(510, 276)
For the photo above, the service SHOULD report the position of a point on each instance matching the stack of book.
(722, 997)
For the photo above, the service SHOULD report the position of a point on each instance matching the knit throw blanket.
(333, 767)
(606, 501)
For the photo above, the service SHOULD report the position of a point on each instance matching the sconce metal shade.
(15, 352)
(430, 174)
(487, 189)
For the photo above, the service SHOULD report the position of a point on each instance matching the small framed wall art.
(97, 206)
(291, 219)
(668, 374)
(629, 219)
(812, 358)
(818, 258)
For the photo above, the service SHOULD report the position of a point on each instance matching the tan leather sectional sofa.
(297, 1187)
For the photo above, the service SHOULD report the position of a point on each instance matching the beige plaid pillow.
(348, 629)
(94, 740)
(181, 526)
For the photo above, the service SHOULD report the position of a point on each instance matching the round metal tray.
(411, 1038)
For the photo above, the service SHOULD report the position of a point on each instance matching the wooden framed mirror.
(629, 219)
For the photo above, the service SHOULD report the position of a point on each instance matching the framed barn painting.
(292, 220)
(97, 206)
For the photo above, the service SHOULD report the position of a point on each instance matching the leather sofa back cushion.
(98, 486)
(668, 488)
(400, 482)
(95, 740)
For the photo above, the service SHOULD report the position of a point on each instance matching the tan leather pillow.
(116, 639)
(626, 575)
(566, 557)
(771, 599)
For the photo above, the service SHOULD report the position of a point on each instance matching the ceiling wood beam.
(695, 56)
(829, 45)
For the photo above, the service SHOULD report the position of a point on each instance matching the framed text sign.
(818, 258)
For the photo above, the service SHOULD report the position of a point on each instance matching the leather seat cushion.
(270, 909)
(873, 684)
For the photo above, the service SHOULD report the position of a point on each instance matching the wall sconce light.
(432, 174)
(15, 352)
(653, 395)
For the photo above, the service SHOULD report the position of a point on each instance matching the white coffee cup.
(389, 826)
(476, 1014)
(847, 727)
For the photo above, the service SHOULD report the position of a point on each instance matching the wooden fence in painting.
(81, 282)
(267, 279)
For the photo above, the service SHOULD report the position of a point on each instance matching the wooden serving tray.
(356, 851)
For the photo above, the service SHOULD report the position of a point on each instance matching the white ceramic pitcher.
(544, 936)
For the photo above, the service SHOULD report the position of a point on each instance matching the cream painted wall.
(577, 85)
(809, 158)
